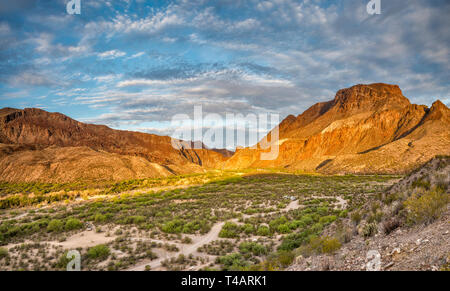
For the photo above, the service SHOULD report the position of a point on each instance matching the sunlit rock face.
(36, 145)
(364, 129)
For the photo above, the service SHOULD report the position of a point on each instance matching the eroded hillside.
(40, 146)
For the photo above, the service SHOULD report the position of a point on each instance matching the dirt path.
(212, 235)
(198, 241)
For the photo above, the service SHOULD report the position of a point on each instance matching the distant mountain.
(36, 145)
(365, 129)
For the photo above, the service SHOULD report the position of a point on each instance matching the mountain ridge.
(36, 130)
(360, 120)
(365, 129)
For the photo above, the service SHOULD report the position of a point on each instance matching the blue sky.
(133, 64)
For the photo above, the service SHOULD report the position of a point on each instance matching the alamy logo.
(374, 7)
(75, 261)
(74, 7)
(218, 132)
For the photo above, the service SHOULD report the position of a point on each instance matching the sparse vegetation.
(253, 209)
(427, 205)
(99, 252)
(55, 225)
(320, 245)
(3, 253)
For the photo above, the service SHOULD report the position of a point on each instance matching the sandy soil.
(198, 241)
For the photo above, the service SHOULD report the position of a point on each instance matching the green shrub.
(322, 245)
(100, 217)
(252, 247)
(73, 223)
(99, 252)
(248, 228)
(426, 206)
(61, 264)
(232, 262)
(343, 214)
(327, 219)
(284, 228)
(263, 231)
(3, 253)
(55, 225)
(273, 224)
(174, 226)
(133, 220)
(356, 217)
(285, 258)
(229, 230)
(306, 220)
(330, 245)
(294, 240)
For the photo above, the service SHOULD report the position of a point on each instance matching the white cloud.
(112, 54)
(108, 78)
(136, 55)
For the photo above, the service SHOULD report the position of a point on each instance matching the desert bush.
(294, 240)
(186, 240)
(356, 217)
(73, 223)
(273, 224)
(369, 230)
(421, 183)
(232, 262)
(375, 216)
(99, 252)
(389, 198)
(248, 228)
(426, 206)
(285, 258)
(63, 261)
(133, 220)
(55, 225)
(321, 245)
(229, 230)
(330, 245)
(252, 247)
(327, 219)
(174, 226)
(100, 217)
(263, 231)
(284, 228)
(3, 253)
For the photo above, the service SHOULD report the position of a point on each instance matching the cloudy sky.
(134, 64)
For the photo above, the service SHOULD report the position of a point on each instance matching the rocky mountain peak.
(370, 97)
